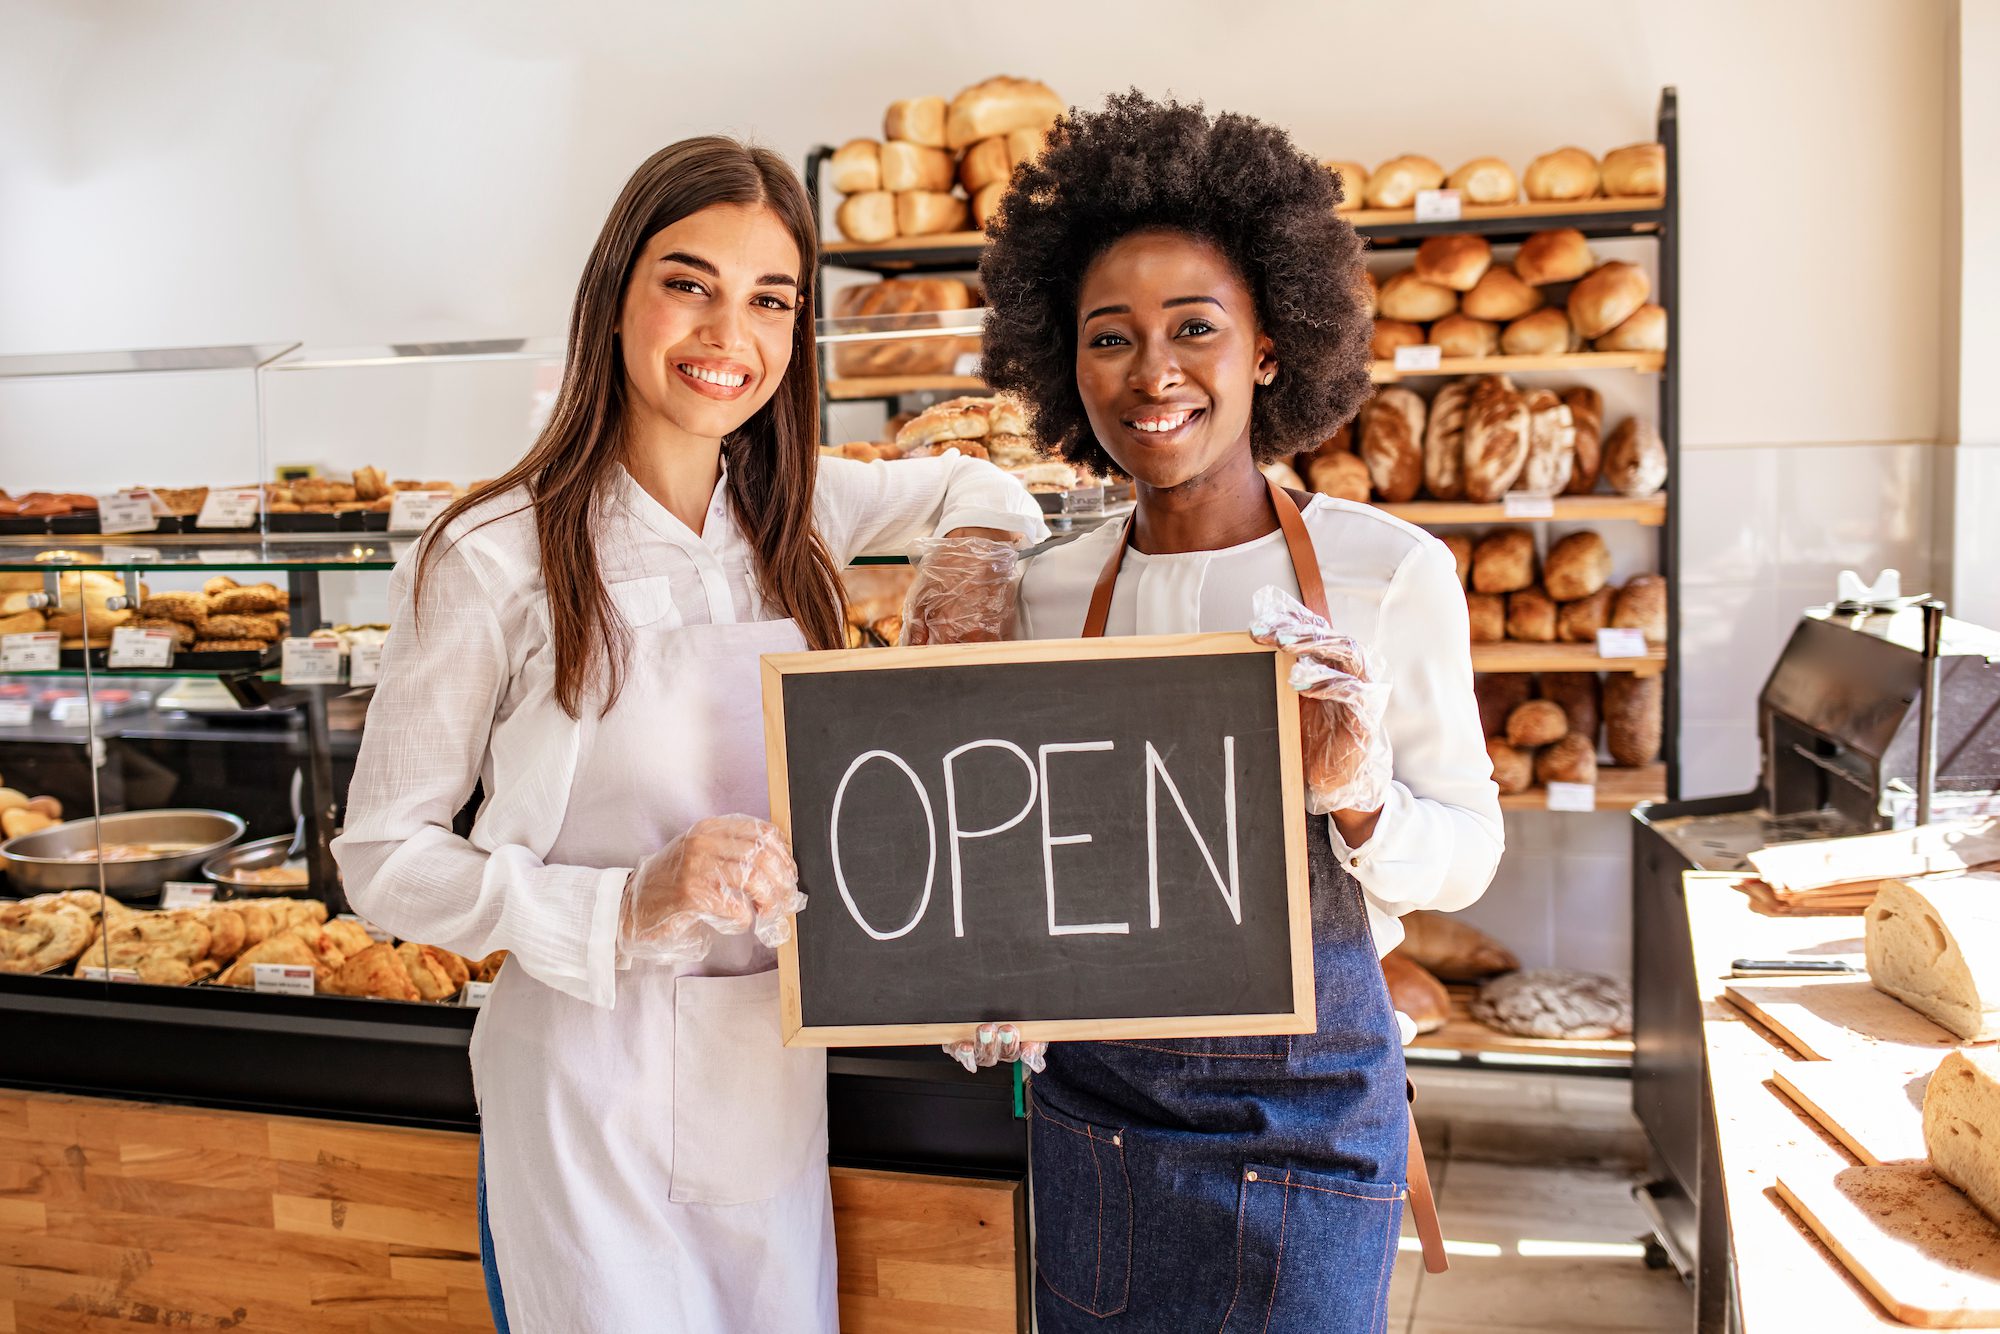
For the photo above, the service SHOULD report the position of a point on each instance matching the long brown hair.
(773, 458)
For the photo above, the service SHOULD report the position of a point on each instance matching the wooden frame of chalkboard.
(1295, 1012)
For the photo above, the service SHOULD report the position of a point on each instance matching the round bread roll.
(1499, 295)
(1577, 693)
(1551, 445)
(1567, 173)
(1444, 440)
(1459, 545)
(1496, 438)
(1642, 605)
(1608, 296)
(1576, 566)
(1636, 169)
(1488, 614)
(1392, 334)
(1353, 184)
(1560, 255)
(985, 203)
(1463, 336)
(1569, 760)
(1539, 722)
(1392, 434)
(1531, 617)
(1644, 330)
(1284, 474)
(984, 163)
(1455, 261)
(855, 167)
(1395, 183)
(1339, 474)
(1543, 333)
(1586, 413)
(1370, 295)
(1499, 694)
(1635, 459)
(1513, 768)
(1578, 622)
(1485, 180)
(867, 217)
(1405, 296)
(1633, 708)
(1503, 561)
(930, 213)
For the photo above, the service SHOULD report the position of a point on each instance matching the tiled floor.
(1535, 1249)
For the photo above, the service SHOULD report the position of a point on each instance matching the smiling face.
(707, 325)
(1168, 357)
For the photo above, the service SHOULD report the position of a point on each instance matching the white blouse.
(467, 693)
(1389, 584)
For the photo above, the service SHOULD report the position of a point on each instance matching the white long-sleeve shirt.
(467, 693)
(1389, 584)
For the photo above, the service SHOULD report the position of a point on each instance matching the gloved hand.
(996, 1043)
(727, 874)
(963, 592)
(1342, 740)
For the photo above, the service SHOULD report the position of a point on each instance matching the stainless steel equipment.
(228, 867)
(41, 861)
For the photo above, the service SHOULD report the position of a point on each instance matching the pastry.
(1559, 255)
(1578, 622)
(371, 484)
(375, 971)
(1392, 433)
(175, 604)
(1935, 946)
(1586, 414)
(1577, 565)
(1644, 330)
(868, 217)
(1444, 444)
(854, 168)
(999, 106)
(1503, 561)
(1485, 180)
(1499, 694)
(1636, 169)
(1567, 173)
(1395, 183)
(1607, 296)
(1570, 759)
(1496, 438)
(1539, 722)
(1635, 459)
(1961, 1124)
(1407, 297)
(916, 120)
(1392, 334)
(1642, 605)
(1414, 992)
(348, 936)
(1551, 445)
(1576, 692)
(182, 632)
(488, 968)
(1513, 768)
(1487, 614)
(1353, 184)
(1556, 1003)
(1541, 333)
(1463, 336)
(1531, 616)
(1632, 721)
(1499, 295)
(1453, 950)
(1457, 261)
(438, 974)
(41, 937)
(907, 166)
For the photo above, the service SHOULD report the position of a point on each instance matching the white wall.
(219, 172)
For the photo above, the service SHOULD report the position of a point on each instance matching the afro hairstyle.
(1233, 181)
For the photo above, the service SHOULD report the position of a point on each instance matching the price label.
(35, 651)
(310, 662)
(16, 713)
(186, 894)
(1527, 505)
(1423, 357)
(1620, 643)
(412, 511)
(90, 972)
(126, 512)
(966, 364)
(134, 647)
(473, 994)
(364, 664)
(1572, 796)
(1437, 206)
(131, 555)
(228, 556)
(229, 509)
(374, 932)
(282, 979)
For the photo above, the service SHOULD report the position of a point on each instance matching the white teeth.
(1158, 425)
(714, 377)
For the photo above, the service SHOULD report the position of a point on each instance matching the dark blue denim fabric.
(494, 1301)
(1230, 1183)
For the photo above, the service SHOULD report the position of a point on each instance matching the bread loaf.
(986, 203)
(1413, 991)
(1392, 434)
(1635, 459)
(928, 213)
(1559, 255)
(1935, 946)
(1395, 183)
(916, 120)
(1608, 296)
(1353, 184)
(1632, 722)
(1539, 722)
(1567, 173)
(1485, 180)
(1543, 333)
(1463, 336)
(1487, 613)
(855, 166)
(1577, 693)
(1392, 334)
(1405, 296)
(1531, 616)
(1636, 169)
(1026, 145)
(1456, 261)
(1570, 760)
(1551, 445)
(1961, 1124)
(1499, 694)
(1503, 561)
(999, 106)
(1341, 475)
(1444, 442)
(867, 217)
(1499, 295)
(1556, 1003)
(1458, 544)
(914, 297)
(1644, 330)
(1578, 622)
(1642, 606)
(1496, 438)
(1577, 565)
(1586, 413)
(985, 163)
(907, 166)
(1453, 950)
(1513, 768)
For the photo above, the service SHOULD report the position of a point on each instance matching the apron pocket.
(1083, 1209)
(748, 1112)
(1313, 1252)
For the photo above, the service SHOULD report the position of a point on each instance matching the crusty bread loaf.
(868, 217)
(1339, 474)
(1026, 145)
(1642, 606)
(1531, 616)
(999, 106)
(1405, 296)
(1566, 173)
(1499, 694)
(1463, 336)
(984, 163)
(1453, 950)
(1636, 169)
(1644, 330)
(1353, 184)
(1458, 544)
(1499, 295)
(1392, 334)
(1635, 459)
(1578, 621)
(1487, 613)
(1551, 445)
(1392, 435)
(1539, 722)
(1395, 183)
(855, 166)
(1608, 296)
(912, 297)
(1571, 759)
(1513, 768)
(1556, 1003)
(1503, 561)
(907, 166)
(1485, 180)
(1962, 1124)
(1541, 333)
(929, 213)
(916, 120)
(1935, 946)
(1577, 565)
(1413, 991)
(1559, 255)
(1444, 442)
(1632, 717)
(1456, 260)
(1586, 413)
(1496, 438)
(986, 203)
(1577, 693)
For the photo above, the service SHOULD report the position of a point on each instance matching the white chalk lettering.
(1050, 842)
(930, 829)
(953, 834)
(1156, 773)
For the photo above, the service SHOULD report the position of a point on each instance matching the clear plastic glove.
(726, 875)
(996, 1043)
(1344, 745)
(963, 592)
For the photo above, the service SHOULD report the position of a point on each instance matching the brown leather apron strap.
(1423, 1205)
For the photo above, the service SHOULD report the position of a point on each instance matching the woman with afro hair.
(1174, 298)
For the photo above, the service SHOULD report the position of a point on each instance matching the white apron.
(660, 1165)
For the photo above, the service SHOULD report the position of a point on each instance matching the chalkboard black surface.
(1087, 838)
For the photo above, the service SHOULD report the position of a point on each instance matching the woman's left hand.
(995, 1043)
(1342, 740)
(964, 589)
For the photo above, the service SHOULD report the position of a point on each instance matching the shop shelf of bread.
(1385, 372)
(1648, 511)
(218, 552)
(889, 386)
(1618, 789)
(1463, 1033)
(1515, 656)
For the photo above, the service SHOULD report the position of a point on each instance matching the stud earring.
(1268, 377)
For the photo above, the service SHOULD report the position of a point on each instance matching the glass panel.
(215, 552)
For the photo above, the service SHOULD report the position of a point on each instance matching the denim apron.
(1248, 1183)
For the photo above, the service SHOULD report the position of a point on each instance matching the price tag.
(16, 713)
(311, 662)
(131, 555)
(282, 979)
(1527, 505)
(473, 994)
(412, 511)
(228, 556)
(90, 972)
(1617, 643)
(1437, 206)
(364, 664)
(36, 651)
(126, 512)
(186, 894)
(374, 932)
(966, 364)
(134, 647)
(229, 509)
(1423, 357)
(1572, 796)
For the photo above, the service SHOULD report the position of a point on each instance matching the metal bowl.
(225, 868)
(36, 862)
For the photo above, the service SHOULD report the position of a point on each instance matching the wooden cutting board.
(1837, 1019)
(1877, 1114)
(1919, 1246)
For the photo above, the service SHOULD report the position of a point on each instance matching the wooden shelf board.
(1545, 208)
(1648, 510)
(1385, 372)
(1617, 789)
(1515, 656)
(1463, 1033)
(887, 386)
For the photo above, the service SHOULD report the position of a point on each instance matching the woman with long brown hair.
(581, 639)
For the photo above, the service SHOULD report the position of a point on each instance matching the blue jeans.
(494, 1301)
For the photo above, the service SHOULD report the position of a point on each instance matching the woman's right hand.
(964, 589)
(726, 874)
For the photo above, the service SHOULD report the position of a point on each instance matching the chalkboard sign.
(1087, 838)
